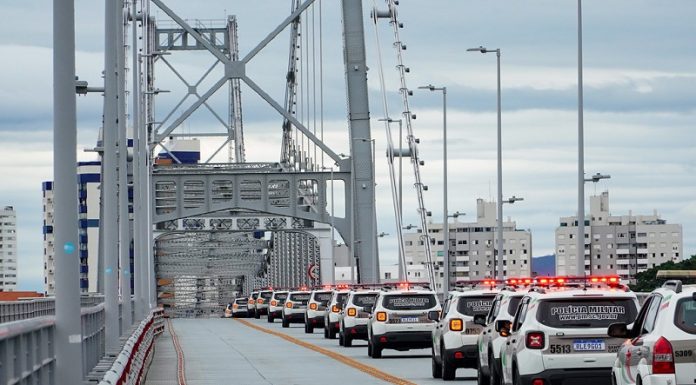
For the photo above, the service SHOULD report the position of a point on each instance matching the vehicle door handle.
(508, 342)
(514, 341)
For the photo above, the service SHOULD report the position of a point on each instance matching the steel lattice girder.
(181, 193)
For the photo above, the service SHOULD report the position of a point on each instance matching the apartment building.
(8, 249)
(617, 244)
(472, 246)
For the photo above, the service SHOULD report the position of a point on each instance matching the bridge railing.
(131, 363)
(38, 307)
(27, 329)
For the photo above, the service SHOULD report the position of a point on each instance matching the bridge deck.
(221, 351)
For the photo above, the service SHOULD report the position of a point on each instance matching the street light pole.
(445, 229)
(499, 247)
(581, 157)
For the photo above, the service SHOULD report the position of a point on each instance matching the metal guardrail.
(38, 307)
(27, 353)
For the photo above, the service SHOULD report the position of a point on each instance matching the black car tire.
(448, 369)
(340, 338)
(347, 341)
(481, 379)
(308, 328)
(270, 318)
(494, 373)
(376, 351)
(436, 368)
(326, 333)
(286, 323)
(332, 333)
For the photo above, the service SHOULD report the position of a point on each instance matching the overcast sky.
(640, 103)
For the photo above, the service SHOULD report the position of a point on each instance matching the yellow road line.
(374, 372)
(181, 369)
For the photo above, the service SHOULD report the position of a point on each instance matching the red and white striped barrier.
(131, 364)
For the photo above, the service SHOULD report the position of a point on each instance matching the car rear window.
(323, 297)
(266, 294)
(300, 297)
(280, 296)
(409, 302)
(512, 306)
(475, 305)
(364, 299)
(254, 295)
(242, 301)
(341, 297)
(685, 315)
(586, 312)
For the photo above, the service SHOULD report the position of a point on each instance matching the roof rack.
(673, 284)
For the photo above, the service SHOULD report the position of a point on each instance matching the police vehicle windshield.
(471, 306)
(587, 313)
(364, 299)
(302, 298)
(409, 302)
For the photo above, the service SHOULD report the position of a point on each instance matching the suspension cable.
(390, 147)
(412, 145)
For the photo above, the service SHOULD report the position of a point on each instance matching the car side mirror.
(503, 327)
(480, 319)
(434, 315)
(619, 330)
(367, 309)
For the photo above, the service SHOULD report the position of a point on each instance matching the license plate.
(409, 319)
(589, 345)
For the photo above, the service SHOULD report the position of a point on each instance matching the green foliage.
(647, 281)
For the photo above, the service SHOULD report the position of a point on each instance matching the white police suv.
(332, 322)
(238, 308)
(262, 303)
(316, 308)
(295, 305)
(454, 338)
(276, 304)
(353, 317)
(251, 305)
(402, 319)
(490, 341)
(559, 336)
(660, 346)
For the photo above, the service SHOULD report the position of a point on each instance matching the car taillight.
(535, 340)
(274, 303)
(288, 305)
(663, 357)
(334, 309)
(352, 312)
(381, 316)
(235, 306)
(456, 325)
(259, 301)
(313, 306)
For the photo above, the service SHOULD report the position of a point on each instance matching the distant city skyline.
(640, 110)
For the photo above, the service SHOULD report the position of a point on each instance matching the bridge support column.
(364, 247)
(68, 334)
(326, 260)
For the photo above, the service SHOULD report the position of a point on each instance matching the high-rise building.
(617, 244)
(472, 247)
(8, 249)
(89, 178)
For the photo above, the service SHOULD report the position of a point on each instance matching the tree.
(647, 281)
